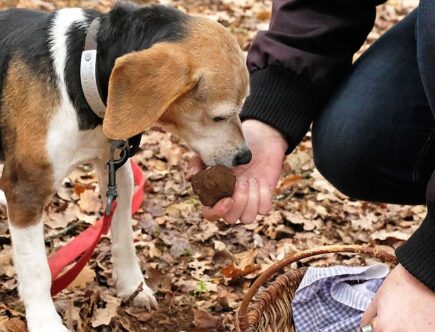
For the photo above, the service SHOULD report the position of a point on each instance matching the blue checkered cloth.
(333, 299)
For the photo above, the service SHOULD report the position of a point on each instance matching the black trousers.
(375, 140)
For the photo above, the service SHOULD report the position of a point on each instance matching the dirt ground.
(200, 270)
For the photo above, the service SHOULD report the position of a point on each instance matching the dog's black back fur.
(24, 32)
(126, 28)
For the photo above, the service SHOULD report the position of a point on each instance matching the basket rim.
(373, 251)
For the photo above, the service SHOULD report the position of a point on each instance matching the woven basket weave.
(271, 310)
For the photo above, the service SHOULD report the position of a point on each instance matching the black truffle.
(213, 184)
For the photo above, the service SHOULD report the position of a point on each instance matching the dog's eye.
(218, 119)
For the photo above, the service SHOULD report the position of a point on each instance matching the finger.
(374, 324)
(195, 165)
(219, 210)
(371, 311)
(251, 209)
(265, 203)
(240, 200)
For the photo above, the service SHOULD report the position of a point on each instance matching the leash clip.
(113, 165)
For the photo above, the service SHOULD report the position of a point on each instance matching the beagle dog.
(155, 65)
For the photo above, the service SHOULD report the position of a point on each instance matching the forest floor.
(200, 270)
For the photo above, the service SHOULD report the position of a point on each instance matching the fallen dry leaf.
(56, 219)
(244, 265)
(12, 325)
(205, 320)
(6, 267)
(288, 182)
(90, 202)
(383, 235)
(158, 281)
(103, 316)
(85, 277)
(72, 316)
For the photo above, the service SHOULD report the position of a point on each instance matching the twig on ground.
(61, 233)
(129, 300)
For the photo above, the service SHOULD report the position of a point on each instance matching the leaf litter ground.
(200, 270)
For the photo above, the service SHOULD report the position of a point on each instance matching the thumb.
(195, 165)
(371, 311)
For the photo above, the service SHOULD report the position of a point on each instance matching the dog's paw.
(145, 299)
(44, 319)
(142, 297)
(49, 327)
(55, 328)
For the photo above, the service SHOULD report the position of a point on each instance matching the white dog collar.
(88, 71)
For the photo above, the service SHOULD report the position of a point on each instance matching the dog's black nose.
(242, 158)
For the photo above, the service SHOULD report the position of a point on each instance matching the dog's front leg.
(25, 209)
(34, 278)
(126, 269)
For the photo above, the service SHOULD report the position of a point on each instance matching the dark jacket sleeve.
(297, 63)
(417, 255)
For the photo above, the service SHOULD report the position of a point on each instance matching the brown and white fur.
(193, 86)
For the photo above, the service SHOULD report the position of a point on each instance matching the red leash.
(82, 247)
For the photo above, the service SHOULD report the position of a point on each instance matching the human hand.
(256, 181)
(402, 304)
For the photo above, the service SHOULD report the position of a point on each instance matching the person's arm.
(410, 288)
(294, 67)
(299, 61)
(417, 255)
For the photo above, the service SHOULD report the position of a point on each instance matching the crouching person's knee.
(341, 160)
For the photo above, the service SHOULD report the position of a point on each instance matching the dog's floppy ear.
(142, 86)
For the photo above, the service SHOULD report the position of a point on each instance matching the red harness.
(82, 247)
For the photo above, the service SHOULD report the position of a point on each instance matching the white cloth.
(333, 299)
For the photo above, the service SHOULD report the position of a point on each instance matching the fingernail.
(227, 203)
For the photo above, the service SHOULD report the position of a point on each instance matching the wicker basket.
(271, 310)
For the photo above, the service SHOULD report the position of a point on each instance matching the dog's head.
(193, 87)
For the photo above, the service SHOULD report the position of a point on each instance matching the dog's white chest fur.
(66, 145)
